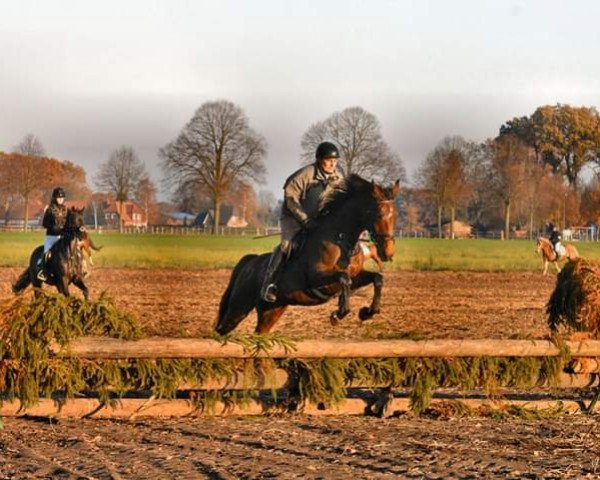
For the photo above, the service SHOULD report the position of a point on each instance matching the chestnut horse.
(325, 266)
(544, 246)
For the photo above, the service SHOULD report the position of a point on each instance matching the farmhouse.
(130, 213)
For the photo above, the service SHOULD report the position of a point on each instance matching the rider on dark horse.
(303, 191)
(54, 220)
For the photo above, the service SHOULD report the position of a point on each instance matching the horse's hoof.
(334, 319)
(365, 313)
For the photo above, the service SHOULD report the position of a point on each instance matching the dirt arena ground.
(427, 304)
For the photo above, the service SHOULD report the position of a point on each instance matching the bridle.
(382, 237)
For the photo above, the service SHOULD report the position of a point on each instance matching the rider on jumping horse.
(54, 220)
(302, 196)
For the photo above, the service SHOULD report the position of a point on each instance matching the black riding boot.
(41, 266)
(268, 292)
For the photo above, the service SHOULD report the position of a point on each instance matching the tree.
(565, 137)
(215, 148)
(507, 176)
(192, 197)
(69, 176)
(267, 208)
(145, 195)
(120, 175)
(244, 201)
(24, 176)
(443, 175)
(23, 171)
(590, 201)
(363, 151)
(30, 146)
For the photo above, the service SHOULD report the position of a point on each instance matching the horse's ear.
(378, 192)
(396, 188)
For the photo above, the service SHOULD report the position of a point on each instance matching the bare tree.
(30, 146)
(145, 194)
(215, 148)
(120, 175)
(363, 151)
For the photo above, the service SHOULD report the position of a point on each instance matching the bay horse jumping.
(549, 255)
(65, 261)
(326, 265)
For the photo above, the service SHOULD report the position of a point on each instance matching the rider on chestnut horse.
(303, 192)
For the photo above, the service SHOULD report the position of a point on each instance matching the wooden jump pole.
(158, 347)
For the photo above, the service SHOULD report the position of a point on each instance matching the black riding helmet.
(58, 192)
(327, 150)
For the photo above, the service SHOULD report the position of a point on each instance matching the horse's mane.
(544, 240)
(340, 192)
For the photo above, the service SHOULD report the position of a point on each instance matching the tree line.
(530, 173)
(216, 158)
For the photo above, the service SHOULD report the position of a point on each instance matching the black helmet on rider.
(327, 150)
(58, 192)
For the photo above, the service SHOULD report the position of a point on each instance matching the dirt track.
(430, 304)
(301, 447)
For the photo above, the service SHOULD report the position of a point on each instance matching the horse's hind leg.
(267, 317)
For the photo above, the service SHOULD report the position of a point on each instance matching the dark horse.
(326, 265)
(64, 264)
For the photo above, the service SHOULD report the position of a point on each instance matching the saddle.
(298, 243)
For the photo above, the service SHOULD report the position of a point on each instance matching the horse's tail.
(22, 282)
(93, 246)
(241, 294)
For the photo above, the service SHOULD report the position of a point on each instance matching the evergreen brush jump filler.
(575, 302)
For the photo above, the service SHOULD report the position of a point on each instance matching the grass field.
(167, 251)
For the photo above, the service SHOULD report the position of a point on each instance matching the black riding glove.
(309, 224)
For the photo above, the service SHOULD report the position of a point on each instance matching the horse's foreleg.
(365, 278)
(83, 287)
(62, 285)
(557, 267)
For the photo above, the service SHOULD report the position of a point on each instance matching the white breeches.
(49, 241)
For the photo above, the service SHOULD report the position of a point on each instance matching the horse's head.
(74, 222)
(538, 245)
(385, 220)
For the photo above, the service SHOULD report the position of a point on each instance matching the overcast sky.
(88, 77)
